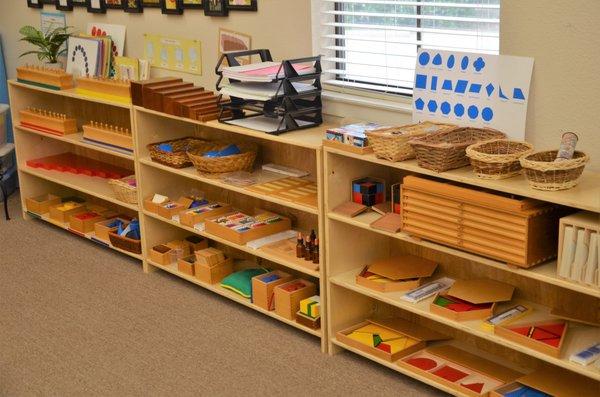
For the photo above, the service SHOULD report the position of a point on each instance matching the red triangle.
(521, 330)
(385, 347)
(540, 334)
(476, 387)
(556, 329)
(552, 342)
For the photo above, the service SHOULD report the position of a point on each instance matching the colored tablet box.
(549, 339)
(263, 288)
(197, 215)
(186, 264)
(101, 229)
(196, 243)
(41, 204)
(84, 222)
(288, 296)
(170, 209)
(215, 273)
(62, 212)
(162, 255)
(151, 206)
(307, 321)
(394, 328)
(265, 224)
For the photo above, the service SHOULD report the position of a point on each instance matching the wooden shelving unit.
(347, 244)
(300, 149)
(352, 243)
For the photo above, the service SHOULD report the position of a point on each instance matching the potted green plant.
(50, 45)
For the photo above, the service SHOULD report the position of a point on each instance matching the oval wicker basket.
(219, 165)
(545, 174)
(445, 150)
(391, 143)
(497, 159)
(178, 158)
(123, 190)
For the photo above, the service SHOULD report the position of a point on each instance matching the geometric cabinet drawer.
(518, 231)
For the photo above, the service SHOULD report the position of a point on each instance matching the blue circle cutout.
(445, 107)
(459, 110)
(464, 63)
(424, 58)
(487, 114)
(450, 62)
(473, 112)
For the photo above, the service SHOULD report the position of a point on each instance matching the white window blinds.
(372, 44)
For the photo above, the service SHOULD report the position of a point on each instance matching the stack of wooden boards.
(174, 96)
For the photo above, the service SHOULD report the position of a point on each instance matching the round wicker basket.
(178, 157)
(219, 165)
(545, 174)
(498, 158)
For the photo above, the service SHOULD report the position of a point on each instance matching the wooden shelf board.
(244, 248)
(578, 337)
(94, 186)
(89, 236)
(310, 138)
(190, 172)
(585, 196)
(545, 272)
(77, 140)
(71, 93)
(172, 268)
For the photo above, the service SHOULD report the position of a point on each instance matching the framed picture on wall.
(151, 3)
(193, 4)
(114, 4)
(242, 5)
(96, 6)
(173, 7)
(35, 4)
(64, 5)
(133, 6)
(216, 8)
(79, 3)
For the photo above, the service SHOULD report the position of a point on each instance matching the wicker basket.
(125, 243)
(391, 143)
(178, 158)
(220, 165)
(544, 174)
(498, 159)
(124, 190)
(445, 150)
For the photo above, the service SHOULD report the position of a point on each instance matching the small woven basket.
(219, 165)
(391, 143)
(178, 158)
(124, 191)
(445, 150)
(545, 174)
(497, 159)
(125, 243)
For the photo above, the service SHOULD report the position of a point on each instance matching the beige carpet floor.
(78, 319)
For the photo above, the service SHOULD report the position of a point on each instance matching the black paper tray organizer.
(288, 108)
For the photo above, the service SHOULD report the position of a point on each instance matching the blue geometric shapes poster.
(470, 89)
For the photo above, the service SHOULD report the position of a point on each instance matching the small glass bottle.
(315, 252)
(300, 246)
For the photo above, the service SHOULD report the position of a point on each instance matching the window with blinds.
(372, 44)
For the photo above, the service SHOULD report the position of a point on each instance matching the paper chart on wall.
(182, 55)
(469, 89)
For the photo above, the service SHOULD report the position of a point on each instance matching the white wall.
(560, 34)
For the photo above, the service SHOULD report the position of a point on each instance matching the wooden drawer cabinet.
(521, 232)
